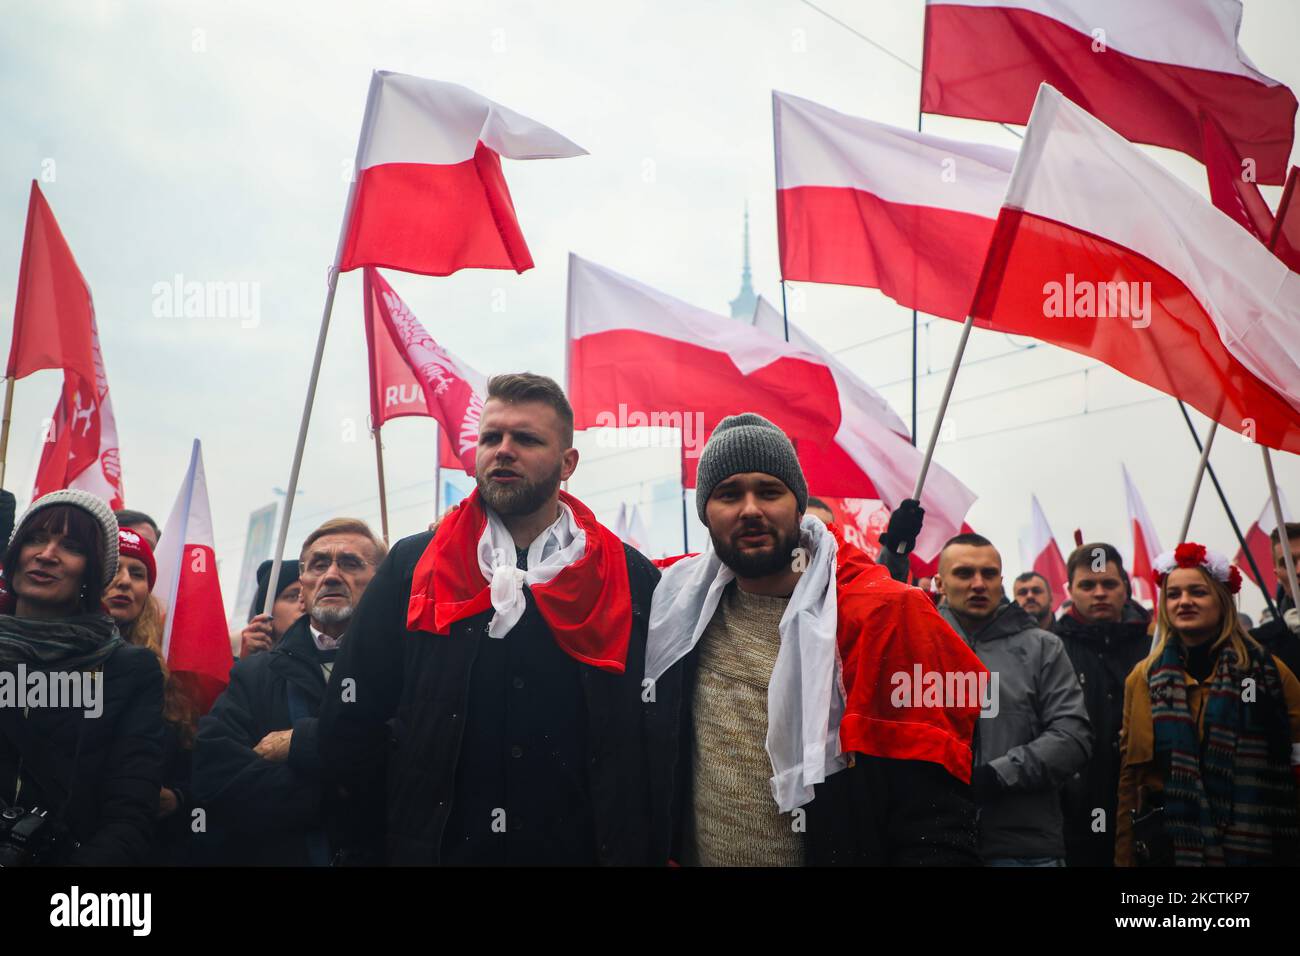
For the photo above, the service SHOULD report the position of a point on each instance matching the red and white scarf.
(581, 588)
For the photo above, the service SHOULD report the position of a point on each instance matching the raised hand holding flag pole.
(427, 196)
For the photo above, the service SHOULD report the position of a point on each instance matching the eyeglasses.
(318, 564)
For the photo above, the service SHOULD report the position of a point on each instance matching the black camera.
(27, 837)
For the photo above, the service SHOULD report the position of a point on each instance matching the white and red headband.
(1192, 555)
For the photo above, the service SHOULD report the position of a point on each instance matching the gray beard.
(332, 615)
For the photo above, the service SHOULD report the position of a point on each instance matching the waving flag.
(1232, 187)
(1046, 555)
(430, 196)
(1101, 250)
(411, 374)
(1285, 240)
(196, 645)
(638, 356)
(865, 204)
(1146, 545)
(1145, 69)
(1260, 544)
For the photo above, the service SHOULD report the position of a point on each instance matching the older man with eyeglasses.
(257, 769)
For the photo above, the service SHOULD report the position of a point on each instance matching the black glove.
(985, 784)
(904, 526)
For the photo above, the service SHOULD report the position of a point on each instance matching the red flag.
(1232, 186)
(1046, 555)
(54, 315)
(1285, 240)
(430, 196)
(196, 644)
(1145, 69)
(1101, 250)
(411, 374)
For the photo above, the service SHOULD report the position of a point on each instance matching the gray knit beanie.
(743, 443)
(96, 507)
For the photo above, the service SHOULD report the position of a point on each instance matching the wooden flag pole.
(283, 534)
(383, 490)
(1196, 482)
(1289, 561)
(4, 427)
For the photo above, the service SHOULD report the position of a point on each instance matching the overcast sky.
(212, 141)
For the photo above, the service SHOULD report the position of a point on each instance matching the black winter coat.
(1103, 655)
(1277, 638)
(394, 747)
(878, 812)
(258, 811)
(113, 775)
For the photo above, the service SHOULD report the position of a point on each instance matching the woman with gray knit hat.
(80, 709)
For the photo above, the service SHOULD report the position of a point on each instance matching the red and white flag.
(1146, 69)
(1046, 555)
(640, 357)
(429, 195)
(1146, 545)
(860, 520)
(54, 327)
(196, 644)
(1260, 545)
(411, 374)
(866, 204)
(1100, 250)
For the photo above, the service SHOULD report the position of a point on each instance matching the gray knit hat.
(96, 507)
(743, 443)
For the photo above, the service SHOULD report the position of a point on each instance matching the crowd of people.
(516, 685)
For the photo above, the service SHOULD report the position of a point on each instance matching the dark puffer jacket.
(1103, 655)
(106, 769)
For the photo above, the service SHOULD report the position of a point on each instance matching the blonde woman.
(1211, 732)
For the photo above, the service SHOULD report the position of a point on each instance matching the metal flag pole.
(1196, 482)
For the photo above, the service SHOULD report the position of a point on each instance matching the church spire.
(742, 306)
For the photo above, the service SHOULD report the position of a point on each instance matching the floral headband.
(1192, 555)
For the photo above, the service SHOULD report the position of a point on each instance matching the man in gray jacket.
(1036, 733)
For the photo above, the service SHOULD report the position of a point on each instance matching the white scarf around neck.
(805, 694)
(550, 553)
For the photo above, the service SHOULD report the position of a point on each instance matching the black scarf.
(80, 642)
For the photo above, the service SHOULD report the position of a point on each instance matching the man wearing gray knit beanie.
(751, 494)
(774, 651)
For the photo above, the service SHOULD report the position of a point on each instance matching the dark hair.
(126, 517)
(817, 503)
(1082, 556)
(1029, 576)
(517, 387)
(971, 538)
(1292, 534)
(81, 526)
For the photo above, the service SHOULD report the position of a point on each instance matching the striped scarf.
(80, 642)
(1229, 795)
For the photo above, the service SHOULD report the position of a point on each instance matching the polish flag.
(1046, 556)
(634, 351)
(865, 204)
(1146, 69)
(1232, 186)
(1146, 545)
(1100, 250)
(429, 194)
(1261, 547)
(1285, 240)
(411, 374)
(196, 645)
